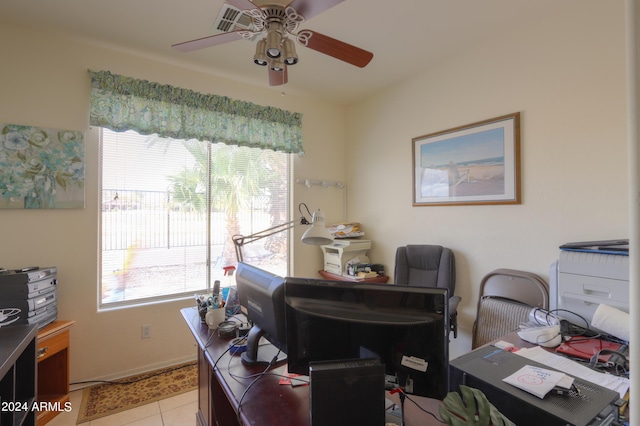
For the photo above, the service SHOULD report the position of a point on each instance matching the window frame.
(170, 297)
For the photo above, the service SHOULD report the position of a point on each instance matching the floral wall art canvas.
(41, 168)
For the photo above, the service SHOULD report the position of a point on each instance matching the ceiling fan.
(274, 23)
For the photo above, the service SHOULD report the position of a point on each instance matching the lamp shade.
(290, 55)
(260, 58)
(274, 40)
(277, 64)
(317, 234)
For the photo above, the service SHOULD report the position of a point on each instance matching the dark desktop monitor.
(261, 293)
(405, 327)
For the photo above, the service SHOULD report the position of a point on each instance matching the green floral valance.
(123, 103)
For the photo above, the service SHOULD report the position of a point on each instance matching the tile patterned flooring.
(179, 410)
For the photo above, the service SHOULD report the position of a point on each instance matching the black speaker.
(347, 392)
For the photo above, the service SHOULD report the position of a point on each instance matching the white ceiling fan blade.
(311, 8)
(242, 4)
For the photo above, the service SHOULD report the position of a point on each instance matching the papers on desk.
(538, 381)
(561, 363)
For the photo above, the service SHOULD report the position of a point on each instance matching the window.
(170, 207)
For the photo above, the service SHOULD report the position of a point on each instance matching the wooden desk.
(221, 389)
(330, 276)
(266, 402)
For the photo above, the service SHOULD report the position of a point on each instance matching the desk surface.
(275, 402)
(266, 401)
(330, 276)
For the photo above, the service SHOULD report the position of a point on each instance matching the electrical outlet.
(146, 331)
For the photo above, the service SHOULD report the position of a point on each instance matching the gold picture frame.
(478, 163)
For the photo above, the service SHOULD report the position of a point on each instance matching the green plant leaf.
(472, 409)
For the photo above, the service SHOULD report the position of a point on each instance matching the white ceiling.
(405, 36)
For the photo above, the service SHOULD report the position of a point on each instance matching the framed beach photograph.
(474, 164)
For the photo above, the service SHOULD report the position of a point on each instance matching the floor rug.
(124, 394)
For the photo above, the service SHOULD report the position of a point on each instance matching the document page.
(561, 363)
(535, 380)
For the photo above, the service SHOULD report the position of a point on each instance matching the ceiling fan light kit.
(273, 25)
(277, 64)
(274, 39)
(290, 55)
(260, 58)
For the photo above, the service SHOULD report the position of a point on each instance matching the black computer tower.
(484, 369)
(348, 392)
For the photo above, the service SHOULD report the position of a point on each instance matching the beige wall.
(566, 75)
(44, 82)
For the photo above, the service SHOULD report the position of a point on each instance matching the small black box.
(347, 392)
(378, 267)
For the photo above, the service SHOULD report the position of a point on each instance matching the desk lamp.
(316, 235)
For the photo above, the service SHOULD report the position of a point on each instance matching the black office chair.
(429, 266)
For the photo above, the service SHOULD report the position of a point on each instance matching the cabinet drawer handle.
(42, 351)
(597, 291)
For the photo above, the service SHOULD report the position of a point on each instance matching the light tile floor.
(179, 410)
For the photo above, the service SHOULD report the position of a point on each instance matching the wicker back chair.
(506, 299)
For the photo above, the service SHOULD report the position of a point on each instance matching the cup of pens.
(215, 311)
(214, 317)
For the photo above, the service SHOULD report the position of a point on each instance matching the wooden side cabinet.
(53, 368)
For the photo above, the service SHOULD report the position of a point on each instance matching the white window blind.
(169, 208)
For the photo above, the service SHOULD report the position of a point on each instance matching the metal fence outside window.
(149, 219)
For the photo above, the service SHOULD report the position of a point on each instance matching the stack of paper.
(538, 381)
(346, 230)
(609, 381)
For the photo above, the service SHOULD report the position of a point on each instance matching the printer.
(341, 251)
(587, 275)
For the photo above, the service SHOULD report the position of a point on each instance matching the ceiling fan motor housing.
(275, 26)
